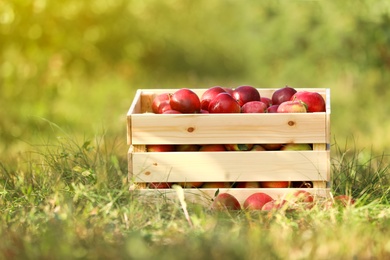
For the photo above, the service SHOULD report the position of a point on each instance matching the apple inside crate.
(146, 128)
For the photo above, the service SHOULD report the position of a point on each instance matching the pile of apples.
(243, 99)
(299, 199)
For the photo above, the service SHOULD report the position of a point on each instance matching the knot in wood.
(291, 123)
(190, 129)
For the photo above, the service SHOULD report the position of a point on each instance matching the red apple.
(247, 184)
(292, 107)
(244, 94)
(171, 111)
(216, 185)
(256, 201)
(185, 101)
(283, 94)
(190, 184)
(266, 100)
(238, 147)
(212, 148)
(159, 185)
(224, 103)
(225, 201)
(158, 100)
(274, 204)
(187, 147)
(275, 184)
(272, 147)
(296, 147)
(258, 147)
(228, 90)
(160, 148)
(209, 95)
(164, 106)
(301, 196)
(254, 107)
(313, 100)
(272, 109)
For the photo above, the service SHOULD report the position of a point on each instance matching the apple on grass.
(313, 100)
(225, 201)
(344, 200)
(274, 205)
(256, 201)
(300, 196)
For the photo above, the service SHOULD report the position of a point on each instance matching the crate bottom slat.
(205, 195)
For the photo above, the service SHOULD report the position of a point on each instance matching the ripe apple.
(208, 95)
(228, 90)
(171, 111)
(272, 147)
(300, 196)
(254, 107)
(283, 94)
(158, 100)
(292, 107)
(190, 184)
(159, 185)
(216, 185)
(224, 103)
(225, 201)
(272, 109)
(164, 106)
(238, 147)
(296, 147)
(160, 148)
(256, 201)
(313, 100)
(244, 94)
(185, 101)
(187, 147)
(266, 100)
(275, 184)
(247, 184)
(258, 147)
(274, 204)
(212, 148)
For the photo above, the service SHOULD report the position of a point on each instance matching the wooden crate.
(144, 127)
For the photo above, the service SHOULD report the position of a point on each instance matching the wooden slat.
(228, 128)
(230, 166)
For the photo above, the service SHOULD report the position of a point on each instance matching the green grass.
(69, 199)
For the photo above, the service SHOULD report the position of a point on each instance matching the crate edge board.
(230, 166)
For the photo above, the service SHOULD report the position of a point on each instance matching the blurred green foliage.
(78, 63)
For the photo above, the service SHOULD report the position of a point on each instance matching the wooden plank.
(230, 166)
(228, 128)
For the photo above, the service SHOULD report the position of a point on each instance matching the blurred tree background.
(78, 63)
